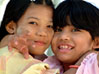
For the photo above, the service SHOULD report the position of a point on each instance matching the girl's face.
(70, 43)
(37, 21)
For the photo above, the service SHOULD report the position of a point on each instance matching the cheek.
(54, 39)
(54, 42)
(20, 30)
(83, 44)
(50, 35)
(23, 29)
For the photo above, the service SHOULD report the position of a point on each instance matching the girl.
(41, 25)
(24, 16)
(76, 38)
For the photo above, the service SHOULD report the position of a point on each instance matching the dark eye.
(50, 26)
(58, 30)
(75, 30)
(32, 23)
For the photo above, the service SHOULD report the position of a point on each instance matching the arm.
(20, 43)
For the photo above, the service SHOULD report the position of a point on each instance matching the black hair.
(83, 15)
(15, 9)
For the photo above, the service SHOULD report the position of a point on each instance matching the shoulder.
(4, 50)
(89, 65)
(98, 57)
(90, 58)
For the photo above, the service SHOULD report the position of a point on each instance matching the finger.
(9, 47)
(12, 45)
(26, 55)
(19, 43)
(25, 52)
(11, 42)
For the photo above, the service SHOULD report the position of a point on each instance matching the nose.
(41, 32)
(65, 36)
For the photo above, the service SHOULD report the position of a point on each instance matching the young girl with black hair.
(34, 19)
(42, 26)
(76, 38)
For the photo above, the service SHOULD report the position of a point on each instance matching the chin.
(37, 52)
(64, 59)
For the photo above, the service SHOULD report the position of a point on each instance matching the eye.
(58, 30)
(32, 23)
(50, 26)
(76, 30)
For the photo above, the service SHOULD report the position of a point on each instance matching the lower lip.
(64, 50)
(39, 43)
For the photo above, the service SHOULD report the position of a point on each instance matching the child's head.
(77, 30)
(34, 17)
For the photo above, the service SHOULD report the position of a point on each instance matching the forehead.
(39, 11)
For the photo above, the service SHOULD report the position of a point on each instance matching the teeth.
(69, 47)
(63, 47)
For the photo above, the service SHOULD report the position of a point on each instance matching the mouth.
(35, 43)
(39, 43)
(65, 47)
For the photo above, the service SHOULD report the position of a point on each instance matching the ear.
(11, 27)
(96, 43)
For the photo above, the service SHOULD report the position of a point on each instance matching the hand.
(20, 43)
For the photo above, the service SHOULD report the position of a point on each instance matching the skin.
(71, 43)
(37, 24)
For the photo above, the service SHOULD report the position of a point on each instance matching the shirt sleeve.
(89, 65)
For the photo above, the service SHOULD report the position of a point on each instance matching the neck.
(39, 57)
(65, 66)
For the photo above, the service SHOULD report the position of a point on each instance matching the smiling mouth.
(65, 48)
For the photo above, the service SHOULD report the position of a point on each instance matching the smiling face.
(37, 21)
(69, 43)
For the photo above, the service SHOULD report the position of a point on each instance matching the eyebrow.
(33, 18)
(38, 19)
